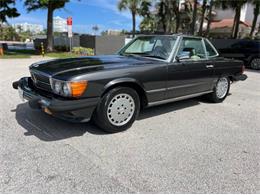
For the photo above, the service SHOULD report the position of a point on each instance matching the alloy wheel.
(120, 109)
(222, 87)
(255, 63)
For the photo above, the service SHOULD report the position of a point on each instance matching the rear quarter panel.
(228, 67)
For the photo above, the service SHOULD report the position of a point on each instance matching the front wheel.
(255, 64)
(117, 109)
(220, 90)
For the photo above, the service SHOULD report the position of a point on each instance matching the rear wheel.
(220, 90)
(117, 110)
(255, 64)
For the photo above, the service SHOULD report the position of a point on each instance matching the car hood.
(87, 64)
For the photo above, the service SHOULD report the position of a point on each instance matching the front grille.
(41, 80)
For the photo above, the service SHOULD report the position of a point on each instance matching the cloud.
(28, 19)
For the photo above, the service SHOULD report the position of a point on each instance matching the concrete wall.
(58, 41)
(102, 44)
(64, 41)
(87, 41)
(109, 44)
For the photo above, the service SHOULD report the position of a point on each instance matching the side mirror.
(185, 55)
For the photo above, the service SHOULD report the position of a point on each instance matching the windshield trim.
(121, 51)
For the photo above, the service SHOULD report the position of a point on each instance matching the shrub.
(61, 48)
(83, 51)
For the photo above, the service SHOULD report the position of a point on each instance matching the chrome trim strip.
(40, 73)
(217, 54)
(157, 90)
(177, 98)
(187, 85)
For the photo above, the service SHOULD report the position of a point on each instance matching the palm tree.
(50, 6)
(256, 13)
(209, 17)
(194, 17)
(162, 6)
(133, 6)
(95, 29)
(204, 7)
(236, 6)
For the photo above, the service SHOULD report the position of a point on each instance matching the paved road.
(186, 147)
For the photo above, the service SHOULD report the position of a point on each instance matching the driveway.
(190, 146)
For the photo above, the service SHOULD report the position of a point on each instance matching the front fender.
(122, 81)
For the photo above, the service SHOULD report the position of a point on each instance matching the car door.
(192, 75)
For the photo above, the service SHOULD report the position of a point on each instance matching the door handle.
(210, 66)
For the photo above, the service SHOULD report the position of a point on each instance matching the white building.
(59, 24)
(247, 14)
(23, 27)
(113, 32)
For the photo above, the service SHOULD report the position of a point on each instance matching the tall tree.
(256, 14)
(194, 17)
(209, 17)
(133, 6)
(204, 7)
(168, 15)
(51, 6)
(7, 10)
(236, 6)
(162, 20)
(148, 24)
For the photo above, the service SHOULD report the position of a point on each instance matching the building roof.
(227, 23)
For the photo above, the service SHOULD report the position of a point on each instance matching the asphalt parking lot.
(190, 146)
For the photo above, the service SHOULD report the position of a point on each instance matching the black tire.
(213, 97)
(255, 64)
(101, 113)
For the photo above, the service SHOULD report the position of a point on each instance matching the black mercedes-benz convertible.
(111, 90)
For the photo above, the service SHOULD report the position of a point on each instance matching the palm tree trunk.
(256, 13)
(50, 27)
(237, 22)
(234, 24)
(210, 17)
(194, 17)
(134, 21)
(202, 17)
(177, 23)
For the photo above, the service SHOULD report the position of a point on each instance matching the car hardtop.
(179, 38)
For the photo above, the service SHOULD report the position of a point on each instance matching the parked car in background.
(246, 50)
(148, 71)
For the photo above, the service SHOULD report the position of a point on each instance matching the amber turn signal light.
(78, 88)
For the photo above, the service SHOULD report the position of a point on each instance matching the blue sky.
(85, 13)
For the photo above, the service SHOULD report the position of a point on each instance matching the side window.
(209, 49)
(193, 47)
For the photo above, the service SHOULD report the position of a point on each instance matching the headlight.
(68, 88)
(57, 87)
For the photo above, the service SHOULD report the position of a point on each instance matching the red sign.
(69, 21)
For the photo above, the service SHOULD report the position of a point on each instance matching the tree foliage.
(7, 11)
(136, 7)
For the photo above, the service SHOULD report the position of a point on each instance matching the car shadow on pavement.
(48, 128)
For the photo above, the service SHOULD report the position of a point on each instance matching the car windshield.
(159, 47)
